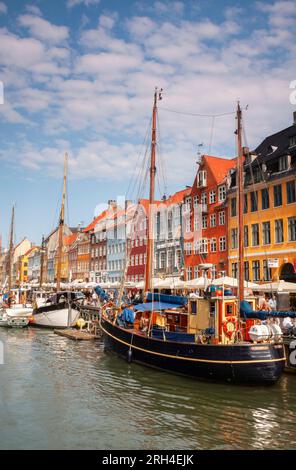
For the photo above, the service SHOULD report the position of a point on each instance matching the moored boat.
(208, 339)
(60, 310)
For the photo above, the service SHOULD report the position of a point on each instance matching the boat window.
(193, 308)
(229, 309)
(212, 309)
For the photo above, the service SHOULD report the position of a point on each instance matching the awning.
(155, 306)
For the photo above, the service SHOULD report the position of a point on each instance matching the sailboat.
(61, 309)
(200, 338)
(13, 315)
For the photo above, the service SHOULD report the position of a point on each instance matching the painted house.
(269, 210)
(51, 246)
(168, 233)
(98, 248)
(205, 218)
(137, 241)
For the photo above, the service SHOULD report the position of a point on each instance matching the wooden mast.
(61, 225)
(10, 253)
(42, 262)
(150, 241)
(240, 186)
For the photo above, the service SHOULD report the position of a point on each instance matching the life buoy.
(230, 331)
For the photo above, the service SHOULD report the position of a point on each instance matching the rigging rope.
(197, 114)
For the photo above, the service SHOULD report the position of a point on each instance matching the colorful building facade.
(205, 218)
(269, 211)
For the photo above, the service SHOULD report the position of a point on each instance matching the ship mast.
(10, 253)
(42, 262)
(149, 257)
(240, 186)
(61, 225)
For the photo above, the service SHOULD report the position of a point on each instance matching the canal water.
(59, 394)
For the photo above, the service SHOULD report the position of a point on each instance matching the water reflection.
(62, 394)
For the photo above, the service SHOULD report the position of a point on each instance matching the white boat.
(17, 322)
(19, 311)
(13, 321)
(3, 318)
(55, 312)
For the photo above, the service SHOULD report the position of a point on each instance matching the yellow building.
(23, 266)
(269, 211)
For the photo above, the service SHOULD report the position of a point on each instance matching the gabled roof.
(70, 239)
(178, 196)
(219, 166)
(31, 249)
(94, 222)
(18, 244)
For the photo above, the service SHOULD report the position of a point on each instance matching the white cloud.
(19, 52)
(3, 7)
(101, 92)
(44, 30)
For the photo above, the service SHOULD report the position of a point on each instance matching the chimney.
(294, 118)
(128, 203)
(111, 204)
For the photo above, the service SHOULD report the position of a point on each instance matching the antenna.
(199, 148)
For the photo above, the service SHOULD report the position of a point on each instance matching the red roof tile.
(219, 166)
(92, 225)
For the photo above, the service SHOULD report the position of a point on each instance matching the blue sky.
(79, 76)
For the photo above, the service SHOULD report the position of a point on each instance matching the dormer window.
(292, 141)
(202, 178)
(283, 163)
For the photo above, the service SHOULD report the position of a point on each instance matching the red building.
(98, 248)
(137, 243)
(71, 246)
(205, 217)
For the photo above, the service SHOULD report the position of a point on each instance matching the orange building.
(205, 217)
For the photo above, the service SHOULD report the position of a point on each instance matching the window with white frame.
(162, 260)
(212, 196)
(196, 223)
(195, 201)
(170, 259)
(178, 258)
(222, 218)
(222, 193)
(196, 247)
(187, 225)
(195, 272)
(213, 220)
(188, 248)
(204, 245)
(188, 203)
(213, 245)
(202, 178)
(222, 243)
(204, 221)
(204, 197)
(189, 274)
